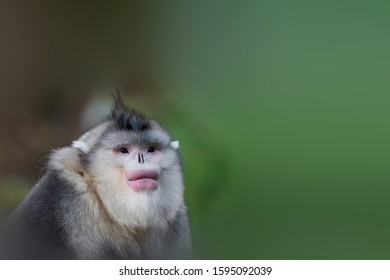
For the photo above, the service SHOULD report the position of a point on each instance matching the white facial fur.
(137, 208)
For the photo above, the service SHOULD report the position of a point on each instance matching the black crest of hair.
(126, 119)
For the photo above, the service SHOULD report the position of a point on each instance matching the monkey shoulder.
(41, 221)
(68, 164)
(38, 222)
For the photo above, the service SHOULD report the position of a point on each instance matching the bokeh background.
(281, 108)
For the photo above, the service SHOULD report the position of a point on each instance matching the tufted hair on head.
(126, 119)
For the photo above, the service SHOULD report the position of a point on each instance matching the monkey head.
(134, 167)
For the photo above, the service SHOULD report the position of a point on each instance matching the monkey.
(116, 193)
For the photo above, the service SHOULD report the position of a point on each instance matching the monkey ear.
(82, 146)
(175, 144)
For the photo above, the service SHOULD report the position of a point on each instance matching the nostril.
(141, 158)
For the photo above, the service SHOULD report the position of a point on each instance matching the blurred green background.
(281, 108)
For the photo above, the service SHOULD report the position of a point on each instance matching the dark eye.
(151, 150)
(123, 150)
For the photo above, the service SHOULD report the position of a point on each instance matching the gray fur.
(80, 210)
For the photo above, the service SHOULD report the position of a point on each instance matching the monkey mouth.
(141, 180)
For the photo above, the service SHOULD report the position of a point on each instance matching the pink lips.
(142, 180)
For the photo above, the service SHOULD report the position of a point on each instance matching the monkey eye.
(151, 150)
(123, 150)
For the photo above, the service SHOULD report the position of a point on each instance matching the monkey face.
(138, 172)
